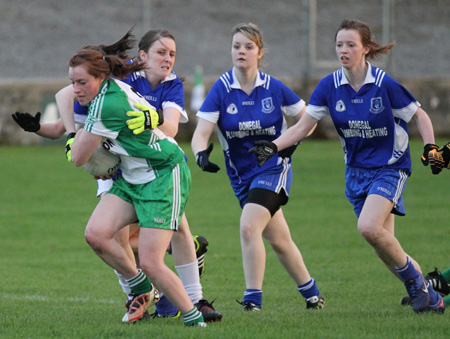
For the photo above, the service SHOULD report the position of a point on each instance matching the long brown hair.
(376, 48)
(98, 64)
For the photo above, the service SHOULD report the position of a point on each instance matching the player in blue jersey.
(246, 105)
(152, 188)
(370, 111)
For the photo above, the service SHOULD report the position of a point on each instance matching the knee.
(368, 232)
(151, 269)
(94, 239)
(246, 233)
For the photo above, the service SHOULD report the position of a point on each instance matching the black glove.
(287, 152)
(433, 157)
(27, 121)
(264, 150)
(69, 142)
(445, 154)
(202, 159)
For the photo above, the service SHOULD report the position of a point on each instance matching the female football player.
(370, 111)
(247, 104)
(163, 89)
(154, 194)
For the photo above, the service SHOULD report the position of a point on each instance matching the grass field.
(54, 286)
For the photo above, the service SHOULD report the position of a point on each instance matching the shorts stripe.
(400, 185)
(176, 197)
(282, 181)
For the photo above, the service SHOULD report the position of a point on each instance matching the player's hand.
(202, 159)
(288, 151)
(27, 121)
(144, 119)
(445, 150)
(264, 150)
(69, 142)
(433, 157)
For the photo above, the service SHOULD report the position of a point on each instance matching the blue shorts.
(276, 179)
(389, 183)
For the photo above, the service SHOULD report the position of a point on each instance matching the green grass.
(53, 285)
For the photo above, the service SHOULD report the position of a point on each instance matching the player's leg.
(186, 264)
(111, 214)
(121, 237)
(278, 235)
(254, 219)
(153, 243)
(389, 227)
(374, 216)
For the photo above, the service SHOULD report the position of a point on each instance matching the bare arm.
(303, 128)
(52, 130)
(201, 135)
(64, 100)
(425, 126)
(171, 120)
(83, 146)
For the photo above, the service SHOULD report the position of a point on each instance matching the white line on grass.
(49, 298)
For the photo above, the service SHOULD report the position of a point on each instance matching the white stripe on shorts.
(176, 197)
(400, 185)
(282, 181)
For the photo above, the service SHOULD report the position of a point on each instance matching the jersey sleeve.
(80, 112)
(174, 97)
(318, 103)
(210, 109)
(403, 103)
(292, 104)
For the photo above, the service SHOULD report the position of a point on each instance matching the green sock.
(446, 275)
(192, 317)
(140, 283)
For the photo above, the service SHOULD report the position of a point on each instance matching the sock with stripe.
(192, 317)
(309, 289)
(140, 283)
(253, 296)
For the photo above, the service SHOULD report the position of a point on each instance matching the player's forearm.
(65, 99)
(52, 130)
(296, 133)
(424, 126)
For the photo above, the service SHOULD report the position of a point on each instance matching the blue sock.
(309, 289)
(165, 308)
(434, 296)
(253, 296)
(408, 272)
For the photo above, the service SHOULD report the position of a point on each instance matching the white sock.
(191, 281)
(123, 283)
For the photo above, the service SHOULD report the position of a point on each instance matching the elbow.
(77, 158)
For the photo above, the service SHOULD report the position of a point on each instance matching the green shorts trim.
(159, 203)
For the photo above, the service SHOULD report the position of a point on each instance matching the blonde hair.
(252, 32)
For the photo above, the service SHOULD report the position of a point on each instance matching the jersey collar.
(370, 79)
(236, 85)
(170, 77)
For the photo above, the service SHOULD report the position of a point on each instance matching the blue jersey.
(243, 119)
(371, 123)
(169, 93)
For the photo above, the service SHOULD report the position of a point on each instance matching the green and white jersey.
(145, 156)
